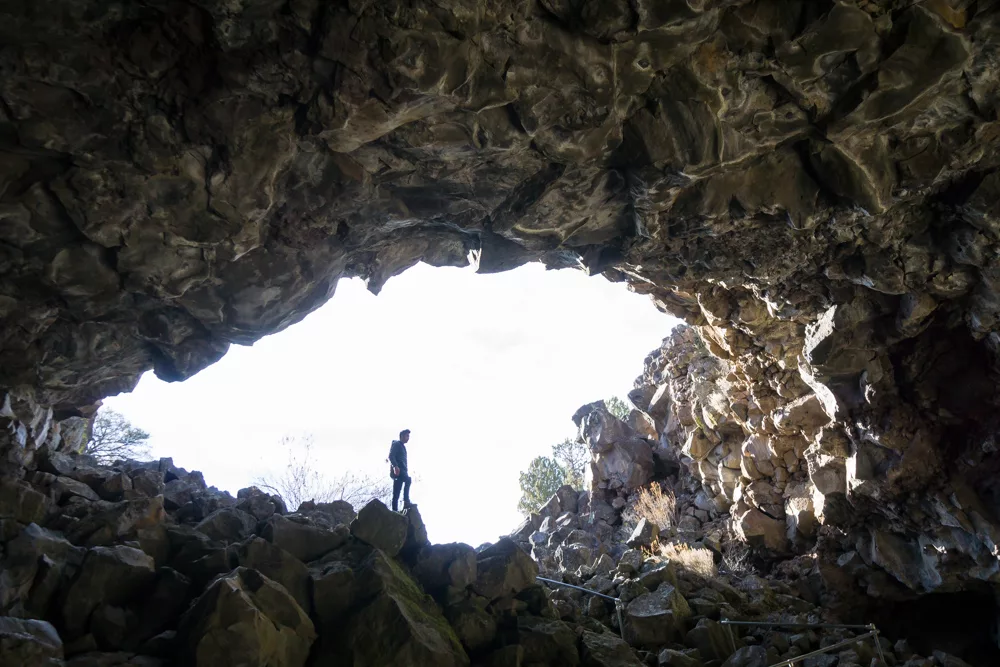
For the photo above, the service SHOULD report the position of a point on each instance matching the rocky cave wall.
(811, 183)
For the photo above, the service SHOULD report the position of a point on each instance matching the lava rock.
(503, 569)
(29, 643)
(228, 525)
(279, 566)
(245, 618)
(109, 575)
(653, 620)
(606, 650)
(305, 542)
(380, 527)
(644, 535)
(748, 656)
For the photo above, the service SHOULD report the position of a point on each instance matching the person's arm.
(394, 458)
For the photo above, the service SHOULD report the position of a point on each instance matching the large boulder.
(278, 565)
(503, 569)
(748, 656)
(109, 575)
(257, 503)
(244, 618)
(29, 643)
(197, 556)
(620, 458)
(713, 640)
(179, 492)
(117, 522)
(160, 610)
(627, 466)
(762, 531)
(303, 541)
(416, 533)
(446, 570)
(395, 624)
(329, 515)
(606, 650)
(653, 620)
(474, 626)
(62, 489)
(380, 527)
(645, 533)
(547, 642)
(37, 564)
(599, 429)
(228, 525)
(148, 483)
(20, 502)
(108, 484)
(332, 593)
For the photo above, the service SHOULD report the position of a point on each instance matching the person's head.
(404, 435)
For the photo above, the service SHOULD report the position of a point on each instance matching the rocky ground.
(142, 563)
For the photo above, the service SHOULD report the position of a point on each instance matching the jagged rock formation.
(117, 577)
(142, 564)
(812, 182)
(764, 447)
(597, 538)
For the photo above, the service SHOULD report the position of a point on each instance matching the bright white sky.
(486, 371)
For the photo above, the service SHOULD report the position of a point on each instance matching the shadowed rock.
(109, 575)
(304, 541)
(245, 618)
(380, 527)
(29, 643)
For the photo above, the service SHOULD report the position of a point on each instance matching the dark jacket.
(397, 457)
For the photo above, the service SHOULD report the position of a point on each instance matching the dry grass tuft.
(657, 506)
(696, 560)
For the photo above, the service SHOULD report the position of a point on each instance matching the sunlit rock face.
(813, 182)
(908, 508)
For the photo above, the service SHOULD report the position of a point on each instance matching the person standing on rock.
(398, 470)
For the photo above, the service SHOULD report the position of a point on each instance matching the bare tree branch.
(301, 480)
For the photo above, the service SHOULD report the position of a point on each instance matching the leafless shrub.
(736, 555)
(301, 480)
(655, 505)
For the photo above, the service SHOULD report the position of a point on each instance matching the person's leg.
(397, 484)
(406, 491)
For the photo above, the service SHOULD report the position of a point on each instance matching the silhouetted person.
(398, 470)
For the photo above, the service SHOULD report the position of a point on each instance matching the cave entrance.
(963, 624)
(485, 370)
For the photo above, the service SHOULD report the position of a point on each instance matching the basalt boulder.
(245, 618)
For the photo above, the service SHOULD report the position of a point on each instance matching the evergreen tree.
(543, 478)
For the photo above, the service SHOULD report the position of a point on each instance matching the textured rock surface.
(29, 643)
(178, 589)
(177, 178)
(380, 527)
(795, 474)
(812, 184)
(245, 618)
(170, 594)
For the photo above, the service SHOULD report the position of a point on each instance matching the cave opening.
(963, 624)
(485, 370)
